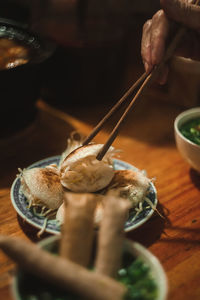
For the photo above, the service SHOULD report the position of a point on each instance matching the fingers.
(146, 46)
(155, 33)
(159, 33)
(183, 11)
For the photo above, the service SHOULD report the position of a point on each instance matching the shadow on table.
(150, 231)
(195, 177)
(183, 238)
(30, 231)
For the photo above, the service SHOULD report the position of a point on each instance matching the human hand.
(157, 31)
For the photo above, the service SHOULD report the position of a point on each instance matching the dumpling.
(82, 172)
(41, 186)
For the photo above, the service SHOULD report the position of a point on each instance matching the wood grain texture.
(147, 141)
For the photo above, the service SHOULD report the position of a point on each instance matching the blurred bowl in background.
(21, 54)
(189, 150)
(25, 284)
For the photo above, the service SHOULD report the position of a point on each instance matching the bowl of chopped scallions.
(187, 136)
(141, 272)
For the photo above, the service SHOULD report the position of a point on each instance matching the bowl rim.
(188, 112)
(135, 248)
(42, 47)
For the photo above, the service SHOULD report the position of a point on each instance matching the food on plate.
(191, 130)
(98, 213)
(82, 172)
(79, 172)
(74, 141)
(42, 187)
(78, 227)
(131, 185)
(60, 214)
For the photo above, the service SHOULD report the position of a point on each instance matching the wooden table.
(146, 141)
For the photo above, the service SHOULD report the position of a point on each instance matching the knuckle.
(147, 25)
(159, 15)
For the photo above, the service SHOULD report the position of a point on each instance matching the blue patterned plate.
(20, 203)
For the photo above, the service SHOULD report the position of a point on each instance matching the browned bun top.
(123, 178)
(49, 177)
(81, 152)
(42, 185)
(74, 152)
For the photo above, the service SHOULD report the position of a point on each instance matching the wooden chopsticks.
(144, 82)
(114, 108)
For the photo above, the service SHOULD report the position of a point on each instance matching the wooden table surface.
(146, 141)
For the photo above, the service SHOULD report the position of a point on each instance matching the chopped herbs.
(137, 278)
(135, 274)
(191, 130)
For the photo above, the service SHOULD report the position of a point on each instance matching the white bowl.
(137, 250)
(154, 264)
(189, 150)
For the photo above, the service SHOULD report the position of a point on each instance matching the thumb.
(183, 11)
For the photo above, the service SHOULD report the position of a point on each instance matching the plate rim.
(57, 232)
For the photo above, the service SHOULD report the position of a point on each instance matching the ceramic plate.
(20, 203)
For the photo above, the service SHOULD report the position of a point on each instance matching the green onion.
(191, 130)
(135, 275)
